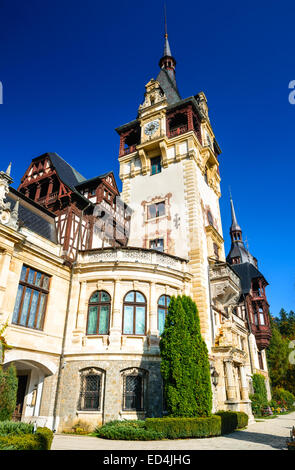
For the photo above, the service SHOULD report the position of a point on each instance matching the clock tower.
(169, 168)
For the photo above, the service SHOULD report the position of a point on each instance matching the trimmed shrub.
(41, 440)
(127, 430)
(232, 420)
(10, 427)
(179, 428)
(8, 391)
(185, 365)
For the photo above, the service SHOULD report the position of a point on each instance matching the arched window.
(163, 304)
(134, 314)
(90, 389)
(99, 308)
(134, 389)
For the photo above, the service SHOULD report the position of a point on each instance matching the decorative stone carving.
(225, 285)
(8, 216)
(153, 95)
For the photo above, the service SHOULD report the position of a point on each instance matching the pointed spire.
(234, 226)
(8, 169)
(167, 50)
(167, 61)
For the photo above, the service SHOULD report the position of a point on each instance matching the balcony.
(225, 285)
(178, 131)
(130, 149)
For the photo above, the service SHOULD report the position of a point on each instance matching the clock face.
(151, 127)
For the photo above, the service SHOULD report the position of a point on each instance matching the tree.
(277, 356)
(184, 361)
(8, 392)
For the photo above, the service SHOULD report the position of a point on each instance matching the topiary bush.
(179, 428)
(8, 391)
(127, 430)
(232, 420)
(185, 365)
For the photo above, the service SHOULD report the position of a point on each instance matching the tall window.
(90, 390)
(133, 389)
(216, 250)
(134, 314)
(156, 165)
(163, 304)
(210, 218)
(99, 308)
(260, 360)
(31, 298)
(261, 315)
(156, 210)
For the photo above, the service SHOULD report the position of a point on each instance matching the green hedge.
(178, 428)
(232, 420)
(40, 440)
(127, 430)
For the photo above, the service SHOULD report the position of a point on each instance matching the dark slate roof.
(246, 272)
(66, 172)
(33, 216)
(92, 180)
(168, 85)
(238, 249)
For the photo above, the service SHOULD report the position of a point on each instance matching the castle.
(87, 273)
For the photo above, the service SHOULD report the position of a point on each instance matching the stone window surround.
(139, 372)
(83, 372)
(134, 304)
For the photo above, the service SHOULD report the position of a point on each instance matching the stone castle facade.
(87, 273)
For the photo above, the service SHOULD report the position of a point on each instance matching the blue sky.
(72, 71)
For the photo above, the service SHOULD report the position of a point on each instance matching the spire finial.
(165, 14)
(8, 169)
(234, 225)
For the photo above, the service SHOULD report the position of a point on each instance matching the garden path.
(269, 434)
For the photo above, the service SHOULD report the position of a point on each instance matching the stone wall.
(112, 393)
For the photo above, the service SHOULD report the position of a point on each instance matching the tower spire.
(167, 62)
(234, 226)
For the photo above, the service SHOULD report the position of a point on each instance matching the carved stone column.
(82, 312)
(153, 317)
(230, 382)
(5, 259)
(244, 385)
(116, 318)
